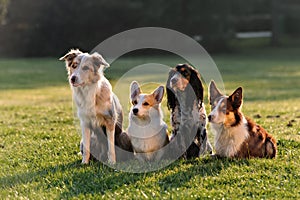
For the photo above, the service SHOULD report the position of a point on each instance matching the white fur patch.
(228, 140)
(147, 133)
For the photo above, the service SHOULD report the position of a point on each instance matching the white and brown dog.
(97, 106)
(147, 130)
(235, 134)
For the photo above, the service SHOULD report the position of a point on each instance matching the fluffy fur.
(235, 134)
(97, 106)
(185, 98)
(147, 130)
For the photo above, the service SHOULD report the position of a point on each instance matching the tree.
(3, 11)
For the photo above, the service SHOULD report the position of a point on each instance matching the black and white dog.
(188, 115)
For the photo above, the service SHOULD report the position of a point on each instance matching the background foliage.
(48, 28)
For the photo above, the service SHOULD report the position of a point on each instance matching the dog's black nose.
(209, 118)
(135, 111)
(73, 79)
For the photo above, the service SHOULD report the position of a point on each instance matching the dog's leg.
(86, 141)
(111, 144)
(205, 146)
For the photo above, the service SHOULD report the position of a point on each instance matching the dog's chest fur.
(84, 98)
(198, 113)
(149, 144)
(228, 140)
(147, 138)
(92, 102)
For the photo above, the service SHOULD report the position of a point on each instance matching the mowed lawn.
(39, 136)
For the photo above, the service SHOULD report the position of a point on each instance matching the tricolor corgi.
(147, 130)
(236, 135)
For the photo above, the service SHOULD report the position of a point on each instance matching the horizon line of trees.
(47, 28)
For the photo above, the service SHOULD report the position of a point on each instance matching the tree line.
(47, 28)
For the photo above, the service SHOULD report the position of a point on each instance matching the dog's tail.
(270, 147)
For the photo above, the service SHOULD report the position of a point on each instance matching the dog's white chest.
(229, 140)
(147, 139)
(85, 103)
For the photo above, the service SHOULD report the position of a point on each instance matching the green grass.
(39, 138)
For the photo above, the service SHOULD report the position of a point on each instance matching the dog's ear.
(135, 90)
(99, 61)
(171, 98)
(69, 57)
(237, 98)
(196, 83)
(158, 94)
(213, 92)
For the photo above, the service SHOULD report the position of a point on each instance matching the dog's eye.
(73, 66)
(134, 102)
(146, 104)
(85, 68)
(223, 109)
(183, 71)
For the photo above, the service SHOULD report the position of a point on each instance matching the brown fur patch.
(184, 82)
(185, 72)
(233, 116)
(94, 77)
(150, 100)
(259, 143)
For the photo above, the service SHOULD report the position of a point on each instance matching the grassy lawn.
(39, 138)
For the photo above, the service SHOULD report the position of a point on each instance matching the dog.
(237, 136)
(185, 100)
(147, 130)
(98, 108)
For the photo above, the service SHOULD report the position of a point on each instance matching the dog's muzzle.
(135, 111)
(73, 79)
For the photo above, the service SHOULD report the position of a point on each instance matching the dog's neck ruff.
(148, 125)
(228, 140)
(141, 121)
(85, 95)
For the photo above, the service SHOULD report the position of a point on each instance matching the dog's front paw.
(111, 161)
(85, 160)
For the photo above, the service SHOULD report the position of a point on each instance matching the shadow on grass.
(97, 178)
(24, 178)
(204, 167)
(75, 179)
(105, 179)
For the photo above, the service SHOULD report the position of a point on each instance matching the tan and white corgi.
(147, 130)
(235, 134)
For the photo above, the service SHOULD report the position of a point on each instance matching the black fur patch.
(238, 118)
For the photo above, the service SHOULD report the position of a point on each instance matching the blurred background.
(32, 28)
